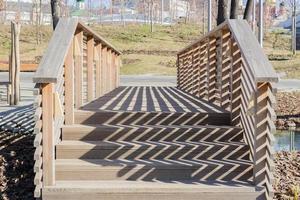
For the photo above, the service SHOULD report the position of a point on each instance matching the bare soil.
(16, 166)
(287, 176)
(288, 109)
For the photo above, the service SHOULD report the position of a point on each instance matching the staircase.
(120, 149)
(209, 138)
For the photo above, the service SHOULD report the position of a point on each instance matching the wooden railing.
(228, 68)
(77, 67)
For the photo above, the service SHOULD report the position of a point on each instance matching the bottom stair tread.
(149, 170)
(143, 190)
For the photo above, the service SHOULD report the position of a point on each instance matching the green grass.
(153, 53)
(148, 64)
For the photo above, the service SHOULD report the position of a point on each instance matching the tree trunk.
(222, 11)
(234, 9)
(54, 12)
(248, 9)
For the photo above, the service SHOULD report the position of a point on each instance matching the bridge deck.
(151, 99)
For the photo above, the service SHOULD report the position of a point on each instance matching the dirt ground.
(288, 109)
(287, 176)
(16, 166)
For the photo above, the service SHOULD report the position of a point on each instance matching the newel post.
(264, 116)
(48, 134)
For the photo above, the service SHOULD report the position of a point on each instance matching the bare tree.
(248, 9)
(151, 15)
(187, 14)
(234, 9)
(222, 11)
(54, 12)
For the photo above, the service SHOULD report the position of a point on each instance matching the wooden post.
(119, 65)
(104, 70)
(109, 70)
(78, 54)
(97, 58)
(69, 88)
(90, 68)
(261, 133)
(48, 135)
(14, 64)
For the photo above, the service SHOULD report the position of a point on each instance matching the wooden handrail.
(74, 52)
(227, 67)
(57, 50)
(254, 56)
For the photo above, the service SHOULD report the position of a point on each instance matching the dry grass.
(151, 51)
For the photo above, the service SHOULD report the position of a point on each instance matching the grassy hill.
(152, 53)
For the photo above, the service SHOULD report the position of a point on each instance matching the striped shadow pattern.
(151, 99)
(151, 106)
(153, 134)
(148, 153)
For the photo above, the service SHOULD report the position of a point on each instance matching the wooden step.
(141, 190)
(207, 133)
(151, 118)
(150, 170)
(151, 150)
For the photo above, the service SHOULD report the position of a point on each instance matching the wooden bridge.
(208, 138)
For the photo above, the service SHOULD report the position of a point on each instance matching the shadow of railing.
(20, 119)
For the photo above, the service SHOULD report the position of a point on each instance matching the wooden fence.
(227, 67)
(77, 67)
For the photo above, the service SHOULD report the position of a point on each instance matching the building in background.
(26, 11)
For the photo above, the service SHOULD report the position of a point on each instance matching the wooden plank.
(119, 65)
(38, 165)
(109, 70)
(37, 140)
(37, 191)
(104, 70)
(98, 38)
(90, 68)
(250, 48)
(252, 52)
(38, 178)
(56, 52)
(97, 58)
(37, 114)
(78, 65)
(38, 100)
(38, 153)
(48, 139)
(58, 107)
(37, 128)
(69, 84)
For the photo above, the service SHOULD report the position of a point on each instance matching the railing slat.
(69, 84)
(68, 77)
(90, 68)
(78, 65)
(235, 74)
(97, 55)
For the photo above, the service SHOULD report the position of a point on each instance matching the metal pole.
(261, 23)
(162, 11)
(294, 28)
(203, 20)
(209, 16)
